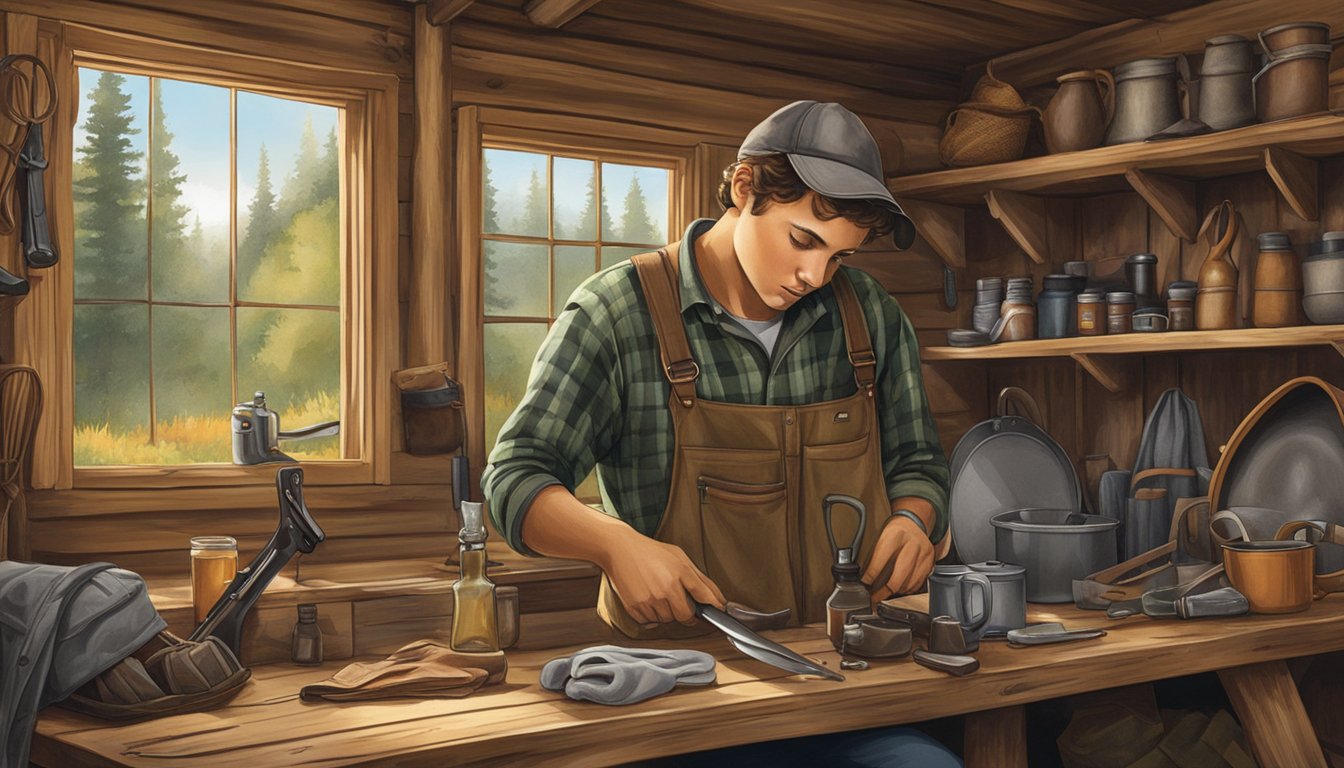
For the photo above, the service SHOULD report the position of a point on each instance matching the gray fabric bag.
(59, 628)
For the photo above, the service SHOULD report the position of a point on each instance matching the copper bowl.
(1275, 576)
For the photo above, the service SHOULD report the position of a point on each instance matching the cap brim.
(835, 179)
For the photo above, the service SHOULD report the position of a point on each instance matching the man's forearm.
(559, 525)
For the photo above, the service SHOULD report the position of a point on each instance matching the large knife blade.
(759, 648)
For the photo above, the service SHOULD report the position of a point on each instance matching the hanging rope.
(21, 95)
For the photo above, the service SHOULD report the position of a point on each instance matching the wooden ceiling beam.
(443, 11)
(555, 13)
(1172, 33)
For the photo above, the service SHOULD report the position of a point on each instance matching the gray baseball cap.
(833, 153)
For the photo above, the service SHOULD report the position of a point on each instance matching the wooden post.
(997, 738)
(430, 319)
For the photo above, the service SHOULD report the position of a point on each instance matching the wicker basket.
(990, 128)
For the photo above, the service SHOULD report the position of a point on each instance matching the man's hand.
(653, 578)
(905, 554)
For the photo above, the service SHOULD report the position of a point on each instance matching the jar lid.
(1155, 67)
(1058, 282)
(1274, 241)
(1091, 298)
(1182, 284)
(989, 282)
(997, 570)
(308, 612)
(1142, 258)
(1080, 268)
(1330, 246)
(214, 542)
(1181, 293)
(1120, 297)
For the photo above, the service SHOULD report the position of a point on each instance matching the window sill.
(185, 476)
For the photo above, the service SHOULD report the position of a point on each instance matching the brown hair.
(774, 180)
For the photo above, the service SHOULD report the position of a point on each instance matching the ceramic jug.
(1147, 99)
(1080, 112)
(1216, 299)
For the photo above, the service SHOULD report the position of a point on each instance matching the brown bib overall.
(748, 480)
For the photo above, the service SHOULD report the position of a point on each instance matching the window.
(551, 215)
(207, 266)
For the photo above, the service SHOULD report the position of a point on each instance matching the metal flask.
(257, 434)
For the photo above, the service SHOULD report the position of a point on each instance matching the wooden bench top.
(518, 723)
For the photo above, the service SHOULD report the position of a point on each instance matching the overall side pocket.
(746, 541)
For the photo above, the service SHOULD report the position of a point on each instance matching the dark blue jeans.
(892, 747)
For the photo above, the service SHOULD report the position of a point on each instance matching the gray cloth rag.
(610, 674)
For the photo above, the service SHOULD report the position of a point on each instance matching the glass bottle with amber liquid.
(475, 627)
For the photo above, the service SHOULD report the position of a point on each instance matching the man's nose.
(812, 271)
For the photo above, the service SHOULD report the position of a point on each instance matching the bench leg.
(997, 738)
(1272, 715)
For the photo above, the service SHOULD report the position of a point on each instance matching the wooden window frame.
(369, 219)
(551, 134)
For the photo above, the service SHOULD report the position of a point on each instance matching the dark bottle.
(306, 643)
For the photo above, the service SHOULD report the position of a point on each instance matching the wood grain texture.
(431, 323)
(518, 723)
(1297, 179)
(443, 11)
(1023, 217)
(1172, 199)
(555, 13)
(997, 738)
(1140, 343)
(1272, 715)
(943, 227)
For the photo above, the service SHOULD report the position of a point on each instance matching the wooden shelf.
(1103, 169)
(1146, 343)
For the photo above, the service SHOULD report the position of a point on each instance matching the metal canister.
(1181, 307)
(1055, 313)
(1147, 99)
(1119, 311)
(1091, 314)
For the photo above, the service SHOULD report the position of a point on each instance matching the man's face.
(787, 252)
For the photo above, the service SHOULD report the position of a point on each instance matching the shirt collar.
(808, 309)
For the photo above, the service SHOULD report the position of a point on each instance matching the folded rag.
(610, 674)
(422, 669)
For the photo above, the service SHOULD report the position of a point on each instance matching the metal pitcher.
(1147, 99)
(1227, 99)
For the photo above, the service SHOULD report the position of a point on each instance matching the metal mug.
(1275, 576)
(1008, 583)
(964, 594)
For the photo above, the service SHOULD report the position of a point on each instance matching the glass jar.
(305, 646)
(1119, 311)
(1091, 307)
(214, 563)
(1181, 308)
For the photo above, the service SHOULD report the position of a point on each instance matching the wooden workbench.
(518, 723)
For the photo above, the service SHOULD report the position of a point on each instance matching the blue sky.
(198, 117)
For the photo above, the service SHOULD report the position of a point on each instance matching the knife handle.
(919, 621)
(944, 662)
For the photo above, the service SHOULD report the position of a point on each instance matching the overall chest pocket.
(746, 540)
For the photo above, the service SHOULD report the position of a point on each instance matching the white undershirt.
(765, 331)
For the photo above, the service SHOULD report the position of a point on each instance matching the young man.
(723, 388)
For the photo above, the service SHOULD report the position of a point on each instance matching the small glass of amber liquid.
(214, 563)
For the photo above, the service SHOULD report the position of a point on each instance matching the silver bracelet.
(912, 516)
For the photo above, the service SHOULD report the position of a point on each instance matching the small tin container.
(1181, 308)
(1119, 311)
(1149, 321)
(1091, 314)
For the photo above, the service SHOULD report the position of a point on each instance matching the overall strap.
(857, 341)
(659, 280)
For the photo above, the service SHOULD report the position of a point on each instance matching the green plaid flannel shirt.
(597, 394)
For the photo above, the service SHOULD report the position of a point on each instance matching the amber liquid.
(211, 572)
(475, 623)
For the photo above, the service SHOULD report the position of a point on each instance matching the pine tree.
(298, 192)
(587, 226)
(489, 195)
(263, 222)
(533, 219)
(327, 184)
(636, 226)
(111, 236)
(168, 215)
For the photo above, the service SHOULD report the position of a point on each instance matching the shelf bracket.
(1338, 344)
(1023, 216)
(1172, 199)
(1109, 372)
(1297, 178)
(943, 227)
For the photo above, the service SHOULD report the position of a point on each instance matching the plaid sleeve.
(912, 456)
(566, 419)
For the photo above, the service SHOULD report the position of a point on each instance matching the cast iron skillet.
(1001, 464)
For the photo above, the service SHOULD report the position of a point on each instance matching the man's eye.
(798, 244)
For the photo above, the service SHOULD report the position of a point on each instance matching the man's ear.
(740, 187)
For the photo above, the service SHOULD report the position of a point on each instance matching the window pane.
(293, 355)
(634, 198)
(189, 166)
(514, 196)
(516, 278)
(612, 255)
(575, 199)
(573, 265)
(111, 384)
(111, 236)
(192, 384)
(288, 208)
(509, 349)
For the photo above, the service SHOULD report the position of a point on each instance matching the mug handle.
(1228, 514)
(981, 583)
(1103, 77)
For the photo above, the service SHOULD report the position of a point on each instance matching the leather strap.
(1156, 560)
(857, 341)
(1159, 471)
(659, 279)
(1324, 583)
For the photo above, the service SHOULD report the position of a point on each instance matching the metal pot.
(1008, 583)
(1296, 81)
(1056, 546)
(1147, 99)
(1275, 576)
